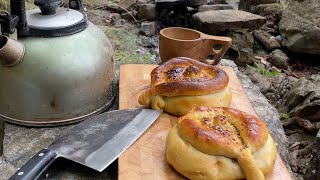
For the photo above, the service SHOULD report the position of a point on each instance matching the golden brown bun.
(220, 143)
(181, 84)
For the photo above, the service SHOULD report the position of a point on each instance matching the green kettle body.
(59, 80)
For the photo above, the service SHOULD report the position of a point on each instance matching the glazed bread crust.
(181, 84)
(220, 143)
(184, 76)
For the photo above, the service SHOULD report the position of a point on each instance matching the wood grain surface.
(145, 159)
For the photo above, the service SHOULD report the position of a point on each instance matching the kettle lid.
(55, 23)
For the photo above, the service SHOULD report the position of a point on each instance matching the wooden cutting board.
(145, 159)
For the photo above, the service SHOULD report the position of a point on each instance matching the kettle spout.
(11, 51)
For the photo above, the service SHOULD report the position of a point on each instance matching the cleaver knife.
(95, 142)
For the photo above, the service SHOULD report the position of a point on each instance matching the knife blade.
(95, 142)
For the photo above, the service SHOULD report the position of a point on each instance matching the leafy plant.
(284, 115)
(124, 57)
(126, 45)
(262, 70)
(230, 34)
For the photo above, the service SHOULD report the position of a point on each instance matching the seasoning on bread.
(181, 84)
(220, 143)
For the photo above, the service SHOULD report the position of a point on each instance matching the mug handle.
(224, 42)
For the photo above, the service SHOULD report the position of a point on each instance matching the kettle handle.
(76, 5)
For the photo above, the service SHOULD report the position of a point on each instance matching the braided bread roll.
(220, 143)
(181, 84)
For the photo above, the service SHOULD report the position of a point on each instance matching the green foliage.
(284, 115)
(262, 70)
(230, 34)
(124, 57)
(122, 39)
(126, 45)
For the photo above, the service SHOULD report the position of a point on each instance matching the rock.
(246, 4)
(6, 169)
(315, 78)
(245, 57)
(313, 169)
(1, 136)
(309, 108)
(126, 3)
(272, 12)
(196, 2)
(192, 10)
(263, 82)
(183, 2)
(143, 1)
(100, 17)
(279, 59)
(233, 3)
(300, 26)
(116, 19)
(291, 81)
(214, 7)
(174, 16)
(277, 80)
(222, 21)
(167, 1)
(269, 24)
(148, 28)
(269, 30)
(216, 2)
(150, 42)
(241, 39)
(279, 39)
(303, 99)
(298, 92)
(127, 16)
(147, 12)
(266, 40)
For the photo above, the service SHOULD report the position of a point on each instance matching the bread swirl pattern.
(221, 133)
(183, 83)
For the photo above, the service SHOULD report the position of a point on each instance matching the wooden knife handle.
(35, 166)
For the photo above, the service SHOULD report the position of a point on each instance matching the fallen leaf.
(294, 145)
(275, 68)
(263, 60)
(295, 75)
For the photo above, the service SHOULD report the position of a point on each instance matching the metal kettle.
(60, 69)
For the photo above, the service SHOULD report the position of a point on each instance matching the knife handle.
(35, 166)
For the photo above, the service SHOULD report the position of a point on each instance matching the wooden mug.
(184, 42)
